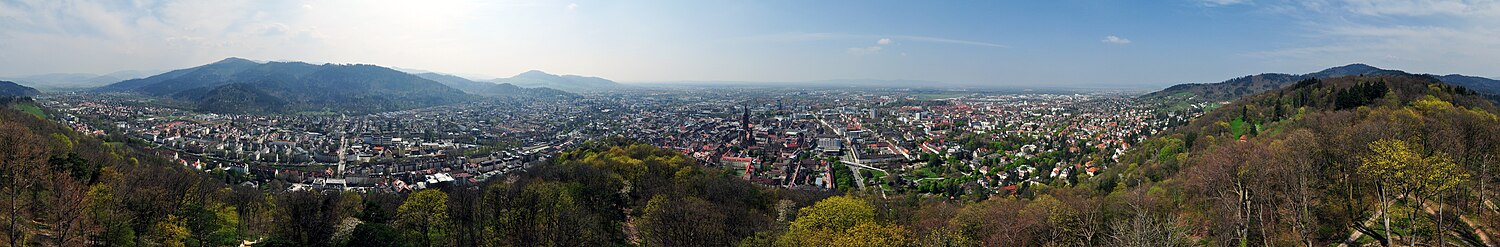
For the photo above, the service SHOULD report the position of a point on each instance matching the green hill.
(242, 86)
(11, 89)
(1244, 86)
(1311, 158)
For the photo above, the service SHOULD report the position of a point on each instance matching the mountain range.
(836, 83)
(236, 85)
(1243, 86)
(485, 88)
(570, 83)
(11, 89)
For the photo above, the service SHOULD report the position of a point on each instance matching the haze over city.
(1148, 44)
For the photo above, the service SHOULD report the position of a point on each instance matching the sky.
(1003, 43)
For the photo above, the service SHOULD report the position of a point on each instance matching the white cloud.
(804, 37)
(1420, 7)
(1115, 40)
(1216, 3)
(865, 50)
(883, 41)
(161, 34)
(950, 41)
(572, 6)
(1425, 36)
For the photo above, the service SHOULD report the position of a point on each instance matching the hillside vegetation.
(1322, 161)
(1236, 88)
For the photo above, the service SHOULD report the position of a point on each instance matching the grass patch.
(30, 109)
(1237, 127)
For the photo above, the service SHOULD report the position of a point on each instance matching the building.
(831, 146)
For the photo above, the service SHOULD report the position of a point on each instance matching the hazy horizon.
(1050, 44)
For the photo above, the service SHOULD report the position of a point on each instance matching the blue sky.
(1016, 43)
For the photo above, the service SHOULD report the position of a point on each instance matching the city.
(772, 123)
(878, 140)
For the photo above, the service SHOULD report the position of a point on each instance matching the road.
(858, 179)
(854, 164)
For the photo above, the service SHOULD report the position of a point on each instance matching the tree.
(1226, 179)
(350, 204)
(374, 235)
(307, 217)
(424, 217)
(1398, 167)
(213, 224)
(104, 208)
(1143, 229)
(169, 232)
(69, 216)
(1435, 177)
(841, 221)
(1292, 171)
(945, 237)
(687, 221)
(21, 156)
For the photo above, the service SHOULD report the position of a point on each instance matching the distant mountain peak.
(573, 83)
(1356, 66)
(1354, 69)
(535, 74)
(234, 60)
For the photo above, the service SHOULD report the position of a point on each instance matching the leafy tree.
(169, 232)
(213, 224)
(424, 217)
(374, 235)
(350, 204)
(841, 221)
(104, 209)
(1390, 162)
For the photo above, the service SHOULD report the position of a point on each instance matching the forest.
(1392, 160)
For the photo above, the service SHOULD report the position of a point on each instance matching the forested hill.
(11, 89)
(1244, 86)
(242, 86)
(1323, 161)
(486, 88)
(65, 188)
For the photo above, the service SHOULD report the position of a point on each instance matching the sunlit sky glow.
(1054, 43)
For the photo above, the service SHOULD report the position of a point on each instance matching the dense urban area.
(954, 143)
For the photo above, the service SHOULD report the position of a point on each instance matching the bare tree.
(69, 211)
(21, 157)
